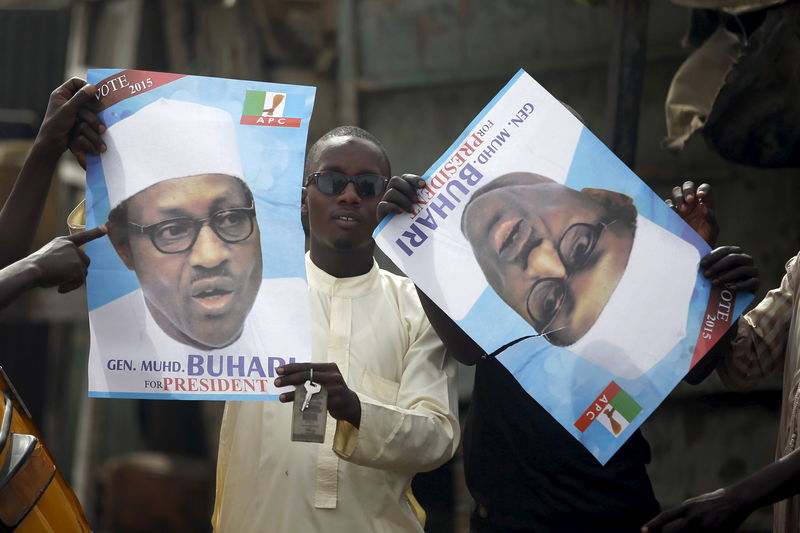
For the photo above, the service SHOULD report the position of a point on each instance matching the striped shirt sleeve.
(760, 343)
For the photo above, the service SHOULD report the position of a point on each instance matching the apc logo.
(264, 108)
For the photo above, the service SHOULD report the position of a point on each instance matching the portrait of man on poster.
(582, 267)
(184, 221)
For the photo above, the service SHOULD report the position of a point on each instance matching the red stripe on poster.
(128, 83)
(716, 321)
(597, 406)
(282, 122)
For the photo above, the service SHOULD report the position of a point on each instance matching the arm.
(726, 266)
(400, 196)
(759, 345)
(60, 129)
(414, 430)
(754, 346)
(729, 267)
(712, 359)
(459, 344)
(419, 431)
(60, 262)
(695, 205)
(725, 509)
(343, 403)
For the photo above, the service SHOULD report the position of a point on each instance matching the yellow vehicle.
(34, 496)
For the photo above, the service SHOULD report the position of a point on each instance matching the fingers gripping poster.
(559, 261)
(199, 292)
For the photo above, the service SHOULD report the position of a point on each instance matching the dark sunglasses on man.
(332, 183)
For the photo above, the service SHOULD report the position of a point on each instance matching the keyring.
(311, 375)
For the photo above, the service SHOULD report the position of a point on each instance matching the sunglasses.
(332, 183)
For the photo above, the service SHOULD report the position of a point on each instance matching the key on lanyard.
(309, 413)
(311, 389)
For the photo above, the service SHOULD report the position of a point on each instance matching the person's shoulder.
(398, 284)
(274, 293)
(125, 306)
(791, 272)
(394, 278)
(401, 289)
(120, 326)
(791, 264)
(402, 294)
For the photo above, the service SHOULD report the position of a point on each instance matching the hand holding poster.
(552, 255)
(199, 292)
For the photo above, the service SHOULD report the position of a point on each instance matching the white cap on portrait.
(180, 139)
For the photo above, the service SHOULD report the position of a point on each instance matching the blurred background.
(414, 73)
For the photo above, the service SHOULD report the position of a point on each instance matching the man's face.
(343, 221)
(550, 253)
(200, 296)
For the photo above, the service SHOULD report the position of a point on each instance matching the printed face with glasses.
(194, 244)
(553, 254)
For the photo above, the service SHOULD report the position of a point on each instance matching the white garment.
(373, 327)
(124, 330)
(646, 315)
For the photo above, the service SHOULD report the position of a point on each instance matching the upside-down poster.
(558, 260)
(199, 292)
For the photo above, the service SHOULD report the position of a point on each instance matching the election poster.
(559, 261)
(199, 291)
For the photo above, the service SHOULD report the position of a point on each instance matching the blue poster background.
(546, 139)
(272, 160)
(127, 363)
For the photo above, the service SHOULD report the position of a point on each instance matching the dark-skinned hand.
(726, 266)
(71, 121)
(343, 403)
(720, 511)
(730, 267)
(400, 195)
(695, 205)
(61, 262)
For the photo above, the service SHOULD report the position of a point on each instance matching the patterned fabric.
(767, 336)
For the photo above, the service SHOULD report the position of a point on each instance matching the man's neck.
(342, 263)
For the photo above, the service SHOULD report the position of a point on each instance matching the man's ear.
(614, 202)
(304, 213)
(121, 242)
